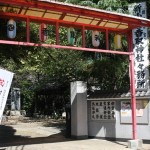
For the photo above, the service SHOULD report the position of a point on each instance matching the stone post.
(79, 123)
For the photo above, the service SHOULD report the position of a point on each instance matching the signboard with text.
(140, 43)
(5, 83)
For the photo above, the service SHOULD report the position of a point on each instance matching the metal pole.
(132, 87)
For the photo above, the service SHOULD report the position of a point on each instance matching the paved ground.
(50, 135)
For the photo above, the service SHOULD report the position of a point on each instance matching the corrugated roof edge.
(95, 9)
(97, 94)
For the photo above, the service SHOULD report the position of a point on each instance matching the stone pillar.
(79, 122)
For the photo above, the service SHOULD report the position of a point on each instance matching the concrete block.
(135, 144)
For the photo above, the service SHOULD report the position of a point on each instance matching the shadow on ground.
(8, 137)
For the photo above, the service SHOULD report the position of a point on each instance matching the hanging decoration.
(43, 32)
(11, 29)
(95, 38)
(71, 36)
(117, 41)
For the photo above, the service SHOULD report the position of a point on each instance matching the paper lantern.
(43, 32)
(95, 38)
(71, 36)
(11, 29)
(117, 41)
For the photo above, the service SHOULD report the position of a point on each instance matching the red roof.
(69, 15)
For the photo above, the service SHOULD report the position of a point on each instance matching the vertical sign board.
(140, 41)
(5, 83)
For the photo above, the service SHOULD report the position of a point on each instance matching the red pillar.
(28, 29)
(132, 86)
(83, 36)
(57, 33)
(107, 39)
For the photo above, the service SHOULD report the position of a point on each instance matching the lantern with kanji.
(95, 38)
(43, 33)
(11, 29)
(71, 36)
(117, 41)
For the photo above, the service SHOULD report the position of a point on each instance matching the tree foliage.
(36, 68)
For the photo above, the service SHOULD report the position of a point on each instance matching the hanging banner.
(5, 83)
(140, 43)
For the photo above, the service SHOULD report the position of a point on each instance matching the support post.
(57, 33)
(83, 36)
(28, 29)
(79, 123)
(132, 87)
(107, 39)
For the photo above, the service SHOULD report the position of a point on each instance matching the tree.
(38, 68)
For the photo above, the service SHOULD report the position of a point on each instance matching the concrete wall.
(118, 128)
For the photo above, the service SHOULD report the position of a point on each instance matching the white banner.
(5, 83)
(140, 42)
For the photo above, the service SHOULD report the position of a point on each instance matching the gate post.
(79, 123)
(132, 86)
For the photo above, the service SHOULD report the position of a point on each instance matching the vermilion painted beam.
(64, 47)
(53, 21)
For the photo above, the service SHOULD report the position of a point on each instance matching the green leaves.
(88, 3)
(36, 68)
(113, 5)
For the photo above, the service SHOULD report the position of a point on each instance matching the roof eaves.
(124, 17)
